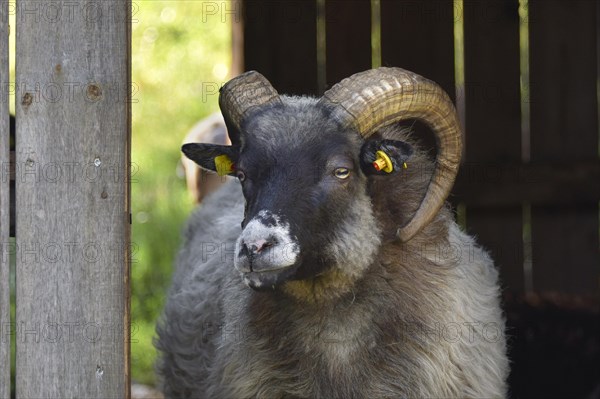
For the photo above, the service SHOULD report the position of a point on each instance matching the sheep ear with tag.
(218, 158)
(384, 157)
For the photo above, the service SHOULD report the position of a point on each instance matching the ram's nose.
(266, 252)
(253, 248)
(262, 255)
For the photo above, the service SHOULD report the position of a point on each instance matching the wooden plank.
(280, 42)
(4, 210)
(348, 35)
(237, 40)
(492, 93)
(419, 36)
(538, 184)
(564, 128)
(73, 200)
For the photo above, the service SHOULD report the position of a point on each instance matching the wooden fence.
(4, 208)
(71, 173)
(529, 187)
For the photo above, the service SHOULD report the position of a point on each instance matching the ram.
(332, 268)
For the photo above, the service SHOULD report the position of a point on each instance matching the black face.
(298, 175)
(301, 174)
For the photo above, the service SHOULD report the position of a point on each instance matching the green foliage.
(178, 57)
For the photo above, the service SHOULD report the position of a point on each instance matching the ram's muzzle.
(266, 253)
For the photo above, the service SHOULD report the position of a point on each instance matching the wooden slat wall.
(557, 184)
(284, 49)
(280, 42)
(4, 210)
(348, 38)
(493, 125)
(564, 128)
(72, 202)
(419, 36)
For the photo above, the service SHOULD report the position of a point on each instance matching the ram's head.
(305, 164)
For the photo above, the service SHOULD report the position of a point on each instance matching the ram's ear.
(383, 157)
(218, 158)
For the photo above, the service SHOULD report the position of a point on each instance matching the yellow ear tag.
(404, 165)
(383, 162)
(224, 165)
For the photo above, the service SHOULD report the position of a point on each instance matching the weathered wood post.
(4, 208)
(73, 146)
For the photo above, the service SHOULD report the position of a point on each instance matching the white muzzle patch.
(265, 245)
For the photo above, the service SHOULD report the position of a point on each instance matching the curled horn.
(370, 100)
(241, 94)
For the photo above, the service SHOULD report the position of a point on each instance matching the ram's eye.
(240, 175)
(341, 173)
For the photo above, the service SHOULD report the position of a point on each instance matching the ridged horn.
(241, 94)
(370, 100)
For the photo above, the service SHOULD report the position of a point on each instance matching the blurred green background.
(177, 53)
